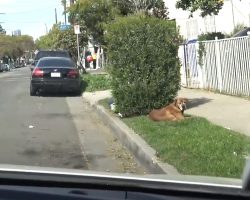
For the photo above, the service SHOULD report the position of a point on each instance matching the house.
(233, 12)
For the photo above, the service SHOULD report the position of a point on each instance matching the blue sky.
(30, 16)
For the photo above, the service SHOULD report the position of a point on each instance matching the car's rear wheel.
(32, 90)
(78, 92)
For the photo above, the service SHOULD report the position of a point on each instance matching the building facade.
(233, 12)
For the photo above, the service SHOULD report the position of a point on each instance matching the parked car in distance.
(55, 74)
(243, 32)
(1, 67)
(49, 53)
(6, 67)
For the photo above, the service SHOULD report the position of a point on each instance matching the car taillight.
(73, 73)
(37, 72)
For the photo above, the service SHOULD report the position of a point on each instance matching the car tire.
(78, 92)
(32, 91)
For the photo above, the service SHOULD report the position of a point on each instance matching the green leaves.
(2, 31)
(195, 146)
(93, 14)
(149, 7)
(145, 68)
(15, 46)
(96, 82)
(207, 7)
(57, 39)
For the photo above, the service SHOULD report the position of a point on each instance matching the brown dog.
(172, 112)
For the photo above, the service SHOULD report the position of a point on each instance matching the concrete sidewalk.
(94, 97)
(227, 111)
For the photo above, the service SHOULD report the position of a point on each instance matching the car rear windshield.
(42, 54)
(55, 63)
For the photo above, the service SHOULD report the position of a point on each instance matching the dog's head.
(181, 103)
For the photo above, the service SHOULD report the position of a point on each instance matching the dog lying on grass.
(172, 112)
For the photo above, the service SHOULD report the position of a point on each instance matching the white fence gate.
(225, 68)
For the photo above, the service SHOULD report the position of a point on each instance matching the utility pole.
(46, 28)
(232, 12)
(55, 15)
(65, 15)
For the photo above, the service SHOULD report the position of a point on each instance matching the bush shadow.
(195, 102)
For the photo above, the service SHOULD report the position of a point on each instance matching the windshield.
(161, 87)
(42, 54)
(55, 62)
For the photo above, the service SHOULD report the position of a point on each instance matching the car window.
(55, 63)
(51, 54)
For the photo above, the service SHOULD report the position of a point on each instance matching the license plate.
(55, 74)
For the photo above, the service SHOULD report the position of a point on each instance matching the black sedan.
(55, 74)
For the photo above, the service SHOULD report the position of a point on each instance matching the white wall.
(223, 22)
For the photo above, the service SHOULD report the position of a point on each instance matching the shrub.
(145, 68)
(239, 27)
(96, 82)
(205, 37)
(211, 36)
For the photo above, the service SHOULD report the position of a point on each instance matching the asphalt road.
(54, 131)
(35, 130)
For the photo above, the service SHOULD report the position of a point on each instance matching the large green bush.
(144, 63)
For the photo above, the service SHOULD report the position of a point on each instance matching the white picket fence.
(225, 68)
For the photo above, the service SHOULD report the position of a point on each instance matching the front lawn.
(194, 146)
(96, 82)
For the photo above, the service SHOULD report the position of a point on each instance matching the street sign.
(77, 32)
(64, 27)
(77, 29)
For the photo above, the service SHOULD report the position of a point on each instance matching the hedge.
(145, 69)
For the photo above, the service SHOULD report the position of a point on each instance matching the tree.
(25, 42)
(2, 31)
(67, 40)
(92, 15)
(61, 39)
(50, 40)
(150, 7)
(207, 7)
(160, 10)
(16, 46)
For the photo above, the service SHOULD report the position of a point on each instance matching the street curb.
(134, 143)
